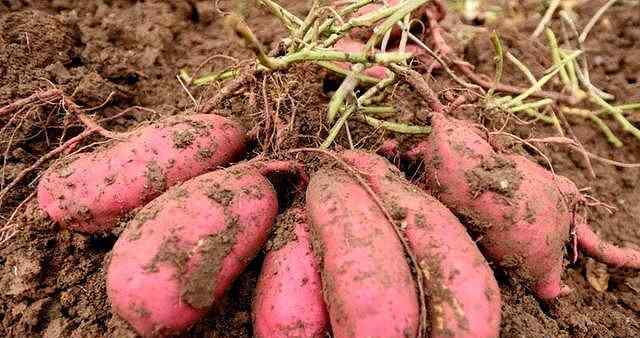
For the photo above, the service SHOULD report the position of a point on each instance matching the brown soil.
(52, 280)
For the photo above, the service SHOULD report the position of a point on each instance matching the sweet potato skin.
(183, 250)
(461, 291)
(90, 191)
(288, 301)
(515, 205)
(367, 284)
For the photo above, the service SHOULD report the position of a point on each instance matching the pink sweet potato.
(522, 213)
(367, 283)
(89, 192)
(462, 293)
(184, 249)
(288, 301)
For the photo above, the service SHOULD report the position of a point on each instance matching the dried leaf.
(597, 275)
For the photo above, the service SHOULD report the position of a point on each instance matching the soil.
(127, 53)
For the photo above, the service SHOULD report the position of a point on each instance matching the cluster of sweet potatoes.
(367, 254)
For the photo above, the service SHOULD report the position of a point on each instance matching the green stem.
(396, 127)
(241, 28)
(611, 137)
(553, 71)
(346, 87)
(499, 60)
(531, 105)
(366, 97)
(532, 79)
(369, 96)
(185, 76)
(571, 71)
(343, 12)
(290, 21)
(405, 31)
(302, 30)
(344, 72)
(555, 55)
(584, 79)
(220, 76)
(405, 9)
(544, 118)
(378, 111)
(366, 20)
(628, 106)
(333, 55)
(500, 100)
(333, 133)
(617, 114)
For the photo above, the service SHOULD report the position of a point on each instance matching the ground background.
(52, 280)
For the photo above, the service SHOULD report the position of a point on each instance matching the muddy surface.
(127, 53)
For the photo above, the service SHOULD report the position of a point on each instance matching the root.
(416, 80)
(414, 261)
(5, 235)
(436, 32)
(44, 159)
(46, 96)
(56, 97)
(606, 252)
(228, 90)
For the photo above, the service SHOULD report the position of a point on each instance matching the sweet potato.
(90, 191)
(288, 301)
(367, 283)
(522, 213)
(462, 293)
(183, 250)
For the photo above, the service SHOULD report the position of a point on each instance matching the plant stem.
(337, 126)
(611, 137)
(594, 19)
(379, 111)
(307, 54)
(396, 127)
(555, 55)
(531, 105)
(344, 72)
(628, 106)
(537, 115)
(342, 13)
(220, 76)
(553, 71)
(352, 108)
(366, 20)
(498, 59)
(303, 29)
(571, 71)
(584, 79)
(369, 96)
(242, 30)
(332, 55)
(546, 18)
(532, 79)
(289, 20)
(406, 8)
(346, 87)
(617, 114)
